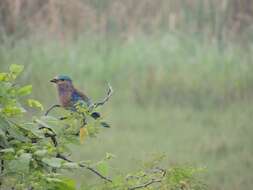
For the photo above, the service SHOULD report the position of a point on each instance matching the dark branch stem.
(87, 167)
(51, 108)
(152, 181)
(52, 135)
(2, 166)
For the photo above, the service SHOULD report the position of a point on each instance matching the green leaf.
(70, 165)
(69, 184)
(178, 174)
(3, 76)
(118, 180)
(51, 123)
(17, 134)
(40, 153)
(11, 111)
(52, 179)
(13, 130)
(103, 168)
(25, 90)
(2, 133)
(21, 164)
(16, 69)
(34, 103)
(31, 127)
(7, 150)
(4, 124)
(53, 162)
(92, 129)
(61, 184)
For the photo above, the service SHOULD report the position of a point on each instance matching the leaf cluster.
(28, 154)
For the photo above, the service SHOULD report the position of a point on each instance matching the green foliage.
(28, 156)
(25, 90)
(33, 152)
(182, 177)
(35, 103)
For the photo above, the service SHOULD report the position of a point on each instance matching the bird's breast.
(65, 99)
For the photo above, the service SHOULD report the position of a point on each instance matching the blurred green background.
(181, 72)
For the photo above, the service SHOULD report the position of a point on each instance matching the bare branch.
(102, 102)
(96, 172)
(152, 181)
(87, 167)
(51, 108)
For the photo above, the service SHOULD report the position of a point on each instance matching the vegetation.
(181, 71)
(34, 152)
(188, 99)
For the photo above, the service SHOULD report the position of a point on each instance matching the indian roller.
(69, 95)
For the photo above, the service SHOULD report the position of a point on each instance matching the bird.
(69, 96)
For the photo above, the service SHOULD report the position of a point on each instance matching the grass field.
(181, 96)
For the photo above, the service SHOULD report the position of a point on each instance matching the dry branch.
(106, 98)
(87, 167)
(152, 181)
(51, 108)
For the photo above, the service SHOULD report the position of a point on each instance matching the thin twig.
(106, 98)
(51, 108)
(52, 136)
(87, 167)
(96, 172)
(152, 181)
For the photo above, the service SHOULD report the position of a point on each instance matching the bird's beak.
(54, 80)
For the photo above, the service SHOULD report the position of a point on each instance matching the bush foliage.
(34, 149)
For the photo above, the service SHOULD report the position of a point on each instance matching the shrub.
(33, 149)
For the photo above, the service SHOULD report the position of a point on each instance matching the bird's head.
(61, 79)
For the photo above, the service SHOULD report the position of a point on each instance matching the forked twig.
(106, 98)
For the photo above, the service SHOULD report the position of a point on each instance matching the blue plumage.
(75, 97)
(64, 77)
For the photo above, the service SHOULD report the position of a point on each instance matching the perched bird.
(69, 95)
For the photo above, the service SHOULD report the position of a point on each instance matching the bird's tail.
(97, 115)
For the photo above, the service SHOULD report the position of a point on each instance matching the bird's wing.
(83, 96)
